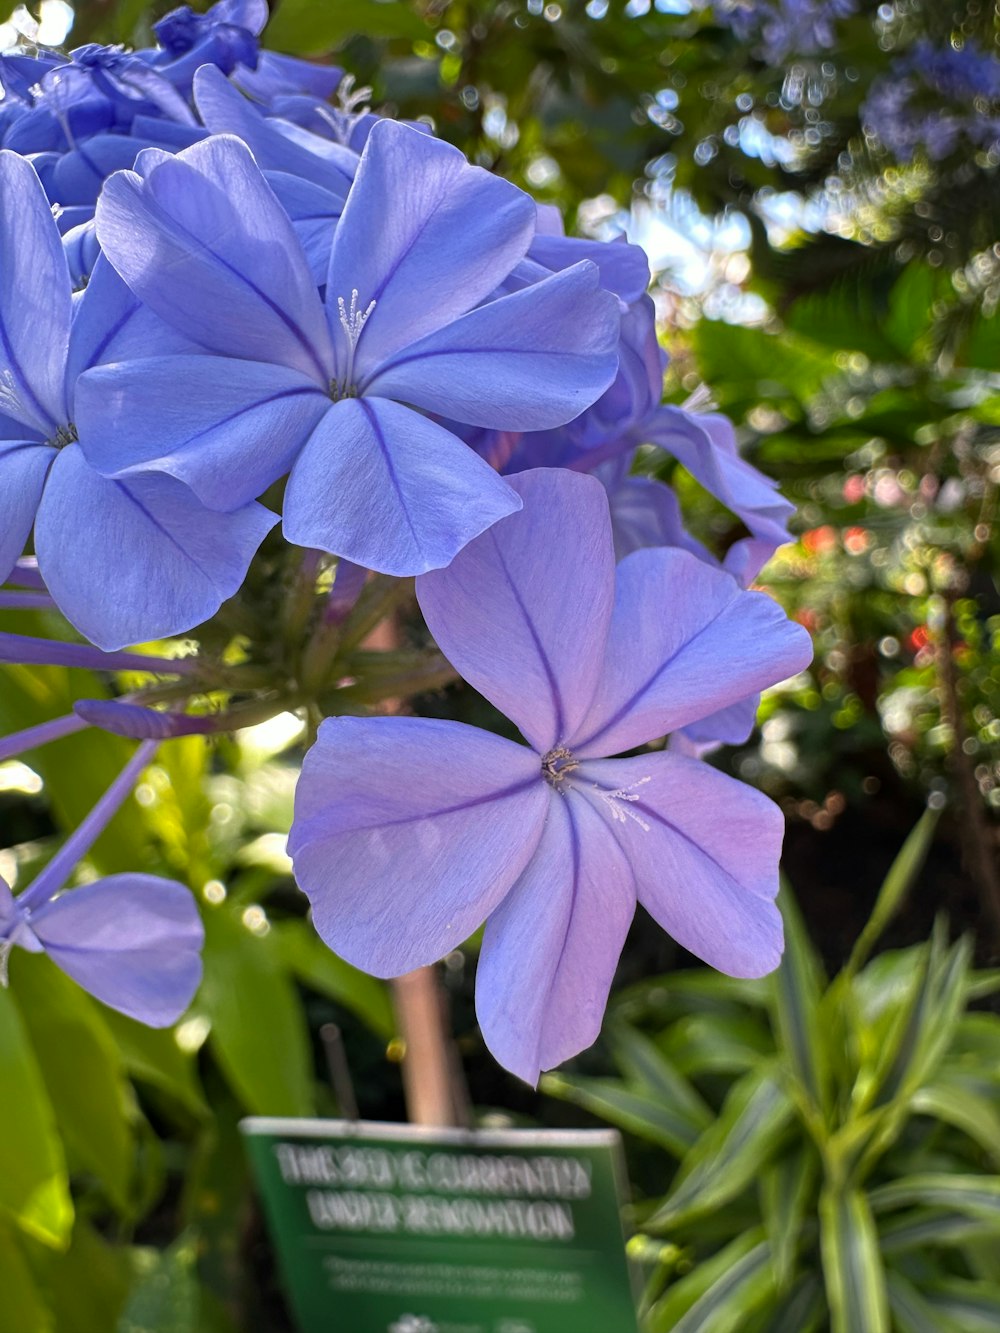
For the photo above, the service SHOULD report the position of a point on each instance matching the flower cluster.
(934, 100)
(782, 28)
(227, 303)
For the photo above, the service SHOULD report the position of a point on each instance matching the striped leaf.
(852, 1263)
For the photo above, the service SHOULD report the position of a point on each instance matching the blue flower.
(409, 833)
(335, 393)
(133, 941)
(123, 561)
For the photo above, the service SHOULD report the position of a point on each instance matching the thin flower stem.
(32, 737)
(23, 650)
(26, 601)
(80, 841)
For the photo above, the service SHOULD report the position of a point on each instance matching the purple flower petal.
(226, 111)
(424, 235)
(390, 490)
(112, 324)
(525, 362)
(706, 446)
(133, 941)
(24, 465)
(644, 512)
(685, 641)
(34, 302)
(103, 546)
(704, 850)
(233, 430)
(551, 947)
(402, 837)
(206, 245)
(523, 612)
(624, 268)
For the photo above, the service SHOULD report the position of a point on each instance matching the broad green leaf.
(895, 887)
(83, 1073)
(313, 963)
(977, 1196)
(642, 1061)
(731, 1152)
(787, 1188)
(797, 990)
(22, 1306)
(683, 1295)
(852, 1264)
(746, 364)
(635, 1112)
(164, 1296)
(305, 28)
(155, 1056)
(912, 1314)
(911, 305)
(34, 1188)
(87, 1285)
(258, 1027)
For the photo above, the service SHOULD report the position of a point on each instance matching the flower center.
(352, 321)
(557, 764)
(63, 436)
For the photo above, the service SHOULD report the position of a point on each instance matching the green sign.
(394, 1229)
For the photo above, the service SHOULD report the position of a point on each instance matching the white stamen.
(5, 948)
(352, 321)
(700, 401)
(622, 813)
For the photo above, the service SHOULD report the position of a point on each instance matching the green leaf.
(154, 1056)
(731, 1152)
(912, 1314)
(733, 1297)
(642, 1061)
(923, 1229)
(258, 1026)
(635, 1112)
(801, 1311)
(926, 1028)
(745, 364)
(852, 1264)
(306, 955)
(964, 1108)
(165, 1296)
(34, 1188)
(911, 305)
(88, 1284)
(30, 695)
(23, 1309)
(723, 1043)
(83, 1073)
(683, 1296)
(786, 1193)
(977, 1196)
(305, 28)
(895, 887)
(797, 993)
(974, 1307)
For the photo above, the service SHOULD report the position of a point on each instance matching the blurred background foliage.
(805, 1153)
